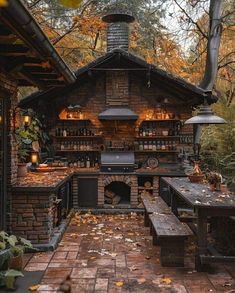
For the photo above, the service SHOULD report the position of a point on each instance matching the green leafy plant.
(26, 136)
(11, 246)
(213, 177)
(7, 278)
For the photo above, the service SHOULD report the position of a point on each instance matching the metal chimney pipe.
(118, 30)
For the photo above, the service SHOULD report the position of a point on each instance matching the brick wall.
(8, 90)
(32, 216)
(8, 85)
(97, 93)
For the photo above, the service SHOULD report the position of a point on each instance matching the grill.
(117, 162)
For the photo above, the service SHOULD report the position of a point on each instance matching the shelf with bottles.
(78, 151)
(85, 162)
(160, 145)
(158, 128)
(77, 145)
(76, 131)
(156, 151)
(158, 137)
(79, 136)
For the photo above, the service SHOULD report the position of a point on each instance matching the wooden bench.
(157, 204)
(170, 234)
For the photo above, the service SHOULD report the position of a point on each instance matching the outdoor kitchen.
(112, 135)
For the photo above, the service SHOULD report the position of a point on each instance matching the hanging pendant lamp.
(205, 115)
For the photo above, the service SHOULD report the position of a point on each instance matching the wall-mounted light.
(1, 120)
(25, 117)
(26, 120)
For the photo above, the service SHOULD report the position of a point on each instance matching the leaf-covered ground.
(114, 253)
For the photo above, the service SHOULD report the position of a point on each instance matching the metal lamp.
(205, 115)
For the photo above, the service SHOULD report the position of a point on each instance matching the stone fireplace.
(125, 186)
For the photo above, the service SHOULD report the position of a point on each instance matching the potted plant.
(214, 179)
(14, 248)
(196, 175)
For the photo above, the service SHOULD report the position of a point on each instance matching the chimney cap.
(118, 16)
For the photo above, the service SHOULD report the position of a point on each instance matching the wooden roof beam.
(8, 39)
(29, 78)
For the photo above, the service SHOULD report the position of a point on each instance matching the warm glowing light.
(27, 120)
(34, 158)
(0, 119)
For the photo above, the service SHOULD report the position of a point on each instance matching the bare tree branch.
(190, 18)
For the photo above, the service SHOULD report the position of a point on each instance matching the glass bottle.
(62, 146)
(82, 162)
(154, 148)
(79, 162)
(146, 147)
(96, 163)
(144, 132)
(141, 146)
(88, 162)
(64, 132)
(158, 145)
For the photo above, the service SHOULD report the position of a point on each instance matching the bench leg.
(154, 235)
(172, 253)
(146, 219)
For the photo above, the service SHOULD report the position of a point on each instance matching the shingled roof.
(119, 59)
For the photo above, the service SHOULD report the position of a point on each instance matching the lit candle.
(34, 158)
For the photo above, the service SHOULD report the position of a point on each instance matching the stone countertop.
(45, 181)
(51, 181)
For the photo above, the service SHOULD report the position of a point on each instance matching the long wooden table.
(205, 204)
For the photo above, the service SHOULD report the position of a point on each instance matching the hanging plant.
(71, 3)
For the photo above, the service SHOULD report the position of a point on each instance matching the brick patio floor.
(114, 253)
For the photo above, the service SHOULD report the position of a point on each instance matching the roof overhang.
(25, 50)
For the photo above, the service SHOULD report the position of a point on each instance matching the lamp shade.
(205, 115)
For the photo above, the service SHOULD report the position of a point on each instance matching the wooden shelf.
(79, 136)
(80, 120)
(156, 137)
(157, 151)
(76, 151)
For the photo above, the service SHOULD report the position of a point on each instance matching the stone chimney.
(118, 30)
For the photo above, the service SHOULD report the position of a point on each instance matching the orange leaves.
(119, 284)
(71, 3)
(34, 287)
(89, 25)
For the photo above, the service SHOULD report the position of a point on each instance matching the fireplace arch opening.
(117, 193)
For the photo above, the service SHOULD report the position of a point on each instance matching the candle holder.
(34, 161)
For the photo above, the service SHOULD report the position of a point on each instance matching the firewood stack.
(111, 198)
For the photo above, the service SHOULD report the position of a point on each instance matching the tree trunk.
(215, 31)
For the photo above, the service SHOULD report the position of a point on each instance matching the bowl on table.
(195, 178)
